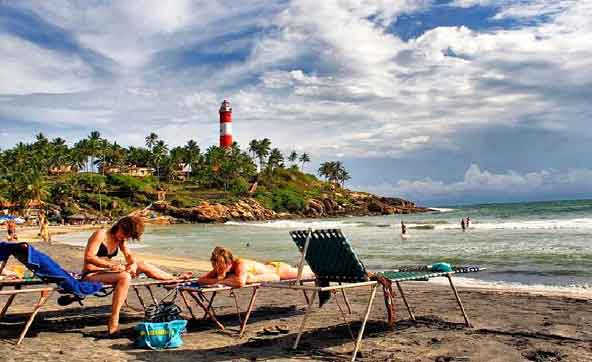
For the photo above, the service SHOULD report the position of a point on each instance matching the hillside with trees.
(101, 178)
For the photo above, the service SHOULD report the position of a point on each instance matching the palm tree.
(276, 159)
(76, 159)
(94, 145)
(262, 151)
(343, 175)
(35, 185)
(304, 158)
(253, 145)
(159, 151)
(192, 154)
(326, 170)
(293, 157)
(151, 140)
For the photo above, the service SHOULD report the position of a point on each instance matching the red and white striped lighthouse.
(225, 125)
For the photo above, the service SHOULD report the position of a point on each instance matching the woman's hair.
(220, 254)
(131, 226)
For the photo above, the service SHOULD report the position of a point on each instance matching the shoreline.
(30, 233)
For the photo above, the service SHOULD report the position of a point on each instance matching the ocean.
(534, 245)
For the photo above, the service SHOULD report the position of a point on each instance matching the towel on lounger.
(46, 268)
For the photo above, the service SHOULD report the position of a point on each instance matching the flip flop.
(282, 328)
(269, 331)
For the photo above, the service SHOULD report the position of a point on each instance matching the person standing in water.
(403, 228)
(462, 224)
(468, 222)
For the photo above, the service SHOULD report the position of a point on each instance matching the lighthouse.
(225, 125)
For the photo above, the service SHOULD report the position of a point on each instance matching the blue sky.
(442, 102)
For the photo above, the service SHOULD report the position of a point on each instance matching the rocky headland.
(338, 204)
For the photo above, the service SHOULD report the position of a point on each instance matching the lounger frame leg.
(411, 315)
(366, 315)
(238, 312)
(209, 308)
(207, 311)
(351, 333)
(8, 303)
(140, 298)
(248, 314)
(308, 311)
(44, 296)
(462, 309)
(187, 304)
(152, 295)
(349, 309)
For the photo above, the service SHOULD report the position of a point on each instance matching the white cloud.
(26, 68)
(487, 184)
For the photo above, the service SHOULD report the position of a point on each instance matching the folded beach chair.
(336, 266)
(50, 277)
(199, 294)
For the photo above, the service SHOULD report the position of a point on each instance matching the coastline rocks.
(244, 210)
(326, 205)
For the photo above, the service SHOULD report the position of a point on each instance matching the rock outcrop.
(326, 205)
(359, 204)
(247, 209)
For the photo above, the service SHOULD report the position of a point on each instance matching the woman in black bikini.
(102, 246)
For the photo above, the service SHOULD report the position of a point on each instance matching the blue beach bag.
(161, 335)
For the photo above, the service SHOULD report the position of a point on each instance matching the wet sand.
(508, 326)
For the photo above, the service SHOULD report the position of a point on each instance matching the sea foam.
(578, 291)
(297, 224)
(580, 223)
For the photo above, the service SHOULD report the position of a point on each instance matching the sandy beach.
(508, 326)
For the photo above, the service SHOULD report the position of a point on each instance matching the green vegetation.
(104, 178)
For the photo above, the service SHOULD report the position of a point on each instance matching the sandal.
(282, 328)
(269, 331)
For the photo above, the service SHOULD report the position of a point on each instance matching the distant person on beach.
(403, 228)
(462, 224)
(102, 246)
(44, 228)
(468, 222)
(234, 271)
(11, 230)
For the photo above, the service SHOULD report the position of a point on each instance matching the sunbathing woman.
(236, 272)
(102, 246)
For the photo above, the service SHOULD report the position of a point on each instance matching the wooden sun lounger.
(198, 294)
(20, 286)
(398, 277)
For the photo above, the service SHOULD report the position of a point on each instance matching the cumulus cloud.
(479, 185)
